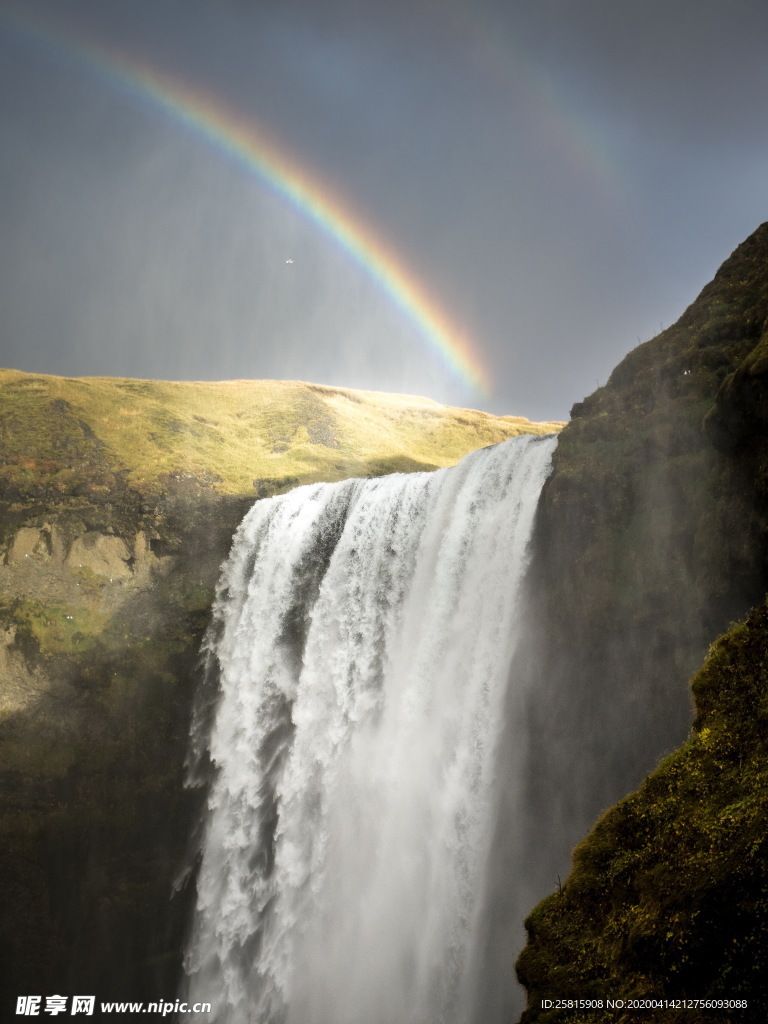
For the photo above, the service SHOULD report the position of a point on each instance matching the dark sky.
(560, 176)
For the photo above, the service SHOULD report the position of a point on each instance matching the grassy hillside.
(234, 436)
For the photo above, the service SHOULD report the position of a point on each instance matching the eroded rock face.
(104, 555)
(39, 542)
(21, 685)
(57, 582)
(149, 555)
(35, 549)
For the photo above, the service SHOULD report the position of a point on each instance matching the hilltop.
(234, 437)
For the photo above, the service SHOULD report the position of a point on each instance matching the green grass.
(228, 435)
(53, 628)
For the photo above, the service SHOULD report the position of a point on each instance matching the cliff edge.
(652, 540)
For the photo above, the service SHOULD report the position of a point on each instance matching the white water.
(364, 632)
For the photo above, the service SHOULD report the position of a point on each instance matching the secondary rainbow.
(243, 140)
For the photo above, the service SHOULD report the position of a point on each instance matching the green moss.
(668, 896)
(53, 629)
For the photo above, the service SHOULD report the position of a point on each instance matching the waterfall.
(363, 633)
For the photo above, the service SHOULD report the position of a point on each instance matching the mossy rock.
(668, 896)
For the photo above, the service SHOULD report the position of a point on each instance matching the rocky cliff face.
(652, 539)
(102, 613)
(668, 897)
(118, 501)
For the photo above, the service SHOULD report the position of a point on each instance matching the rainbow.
(575, 137)
(247, 143)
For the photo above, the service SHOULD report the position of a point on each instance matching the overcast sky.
(560, 176)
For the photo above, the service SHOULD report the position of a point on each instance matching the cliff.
(651, 540)
(668, 896)
(118, 501)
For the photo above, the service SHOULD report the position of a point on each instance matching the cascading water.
(363, 634)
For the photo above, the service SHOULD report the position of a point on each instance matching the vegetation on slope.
(651, 538)
(668, 897)
(91, 434)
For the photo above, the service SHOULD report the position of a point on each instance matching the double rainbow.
(244, 141)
